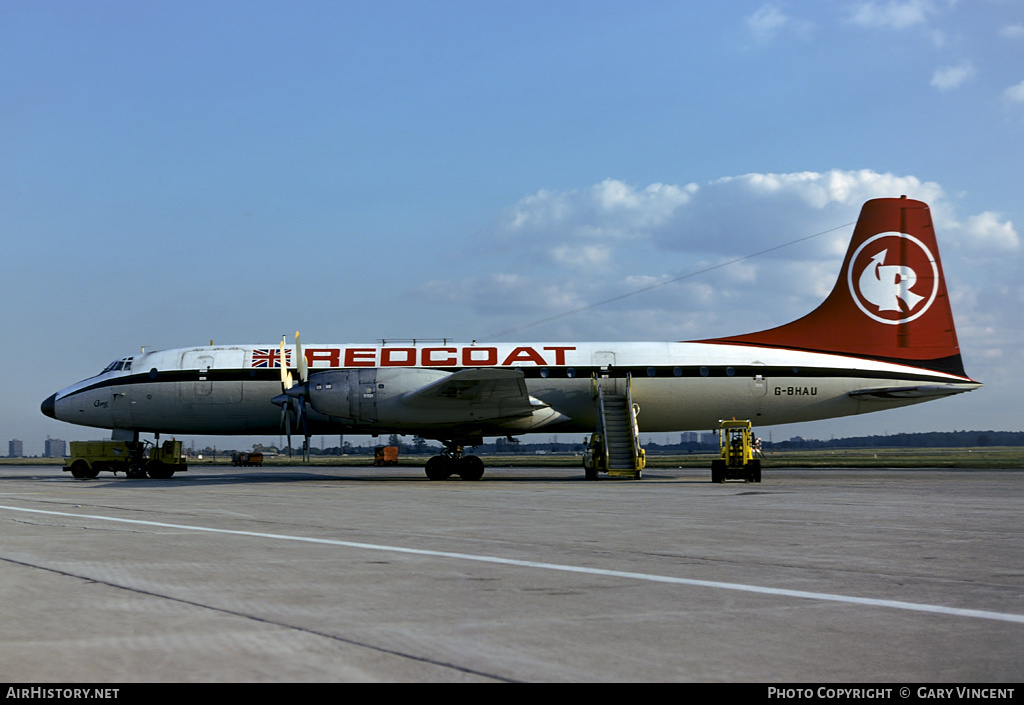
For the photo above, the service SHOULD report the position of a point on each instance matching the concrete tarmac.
(377, 574)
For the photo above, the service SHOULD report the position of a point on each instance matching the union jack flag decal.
(269, 357)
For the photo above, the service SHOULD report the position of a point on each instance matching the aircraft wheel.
(471, 468)
(438, 468)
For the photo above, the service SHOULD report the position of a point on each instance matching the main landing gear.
(453, 462)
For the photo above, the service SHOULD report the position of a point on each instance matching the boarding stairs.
(619, 433)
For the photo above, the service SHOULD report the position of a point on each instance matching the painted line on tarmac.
(780, 592)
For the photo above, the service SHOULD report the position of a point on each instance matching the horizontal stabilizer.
(920, 392)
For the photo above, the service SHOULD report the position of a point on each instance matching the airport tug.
(736, 447)
(134, 458)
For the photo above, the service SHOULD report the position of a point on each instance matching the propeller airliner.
(883, 338)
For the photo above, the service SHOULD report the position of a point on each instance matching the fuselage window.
(677, 371)
(703, 371)
(125, 363)
(651, 371)
(570, 372)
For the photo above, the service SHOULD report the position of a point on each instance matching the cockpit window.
(125, 363)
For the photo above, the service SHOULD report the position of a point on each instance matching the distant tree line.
(931, 439)
(414, 445)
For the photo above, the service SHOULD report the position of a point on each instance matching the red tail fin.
(890, 302)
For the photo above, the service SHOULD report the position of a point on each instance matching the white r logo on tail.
(884, 285)
(878, 288)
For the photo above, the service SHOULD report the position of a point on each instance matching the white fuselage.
(677, 386)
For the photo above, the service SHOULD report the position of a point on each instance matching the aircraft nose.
(48, 405)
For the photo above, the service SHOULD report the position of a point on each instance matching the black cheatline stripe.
(637, 372)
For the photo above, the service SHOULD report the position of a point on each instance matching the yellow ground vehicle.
(736, 445)
(134, 458)
(247, 460)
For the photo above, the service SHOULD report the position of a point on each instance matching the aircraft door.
(604, 361)
(758, 385)
(208, 386)
(121, 410)
(363, 398)
(202, 387)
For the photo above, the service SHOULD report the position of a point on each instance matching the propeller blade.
(285, 402)
(305, 426)
(286, 381)
(296, 399)
(298, 392)
(293, 399)
(301, 364)
(288, 429)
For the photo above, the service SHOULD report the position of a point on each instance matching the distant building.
(55, 448)
(14, 449)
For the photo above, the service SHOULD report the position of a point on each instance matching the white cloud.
(587, 257)
(501, 293)
(950, 77)
(988, 232)
(892, 15)
(1015, 94)
(607, 212)
(819, 190)
(766, 22)
(769, 21)
(1012, 31)
(688, 251)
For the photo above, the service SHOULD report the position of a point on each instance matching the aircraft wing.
(918, 392)
(485, 392)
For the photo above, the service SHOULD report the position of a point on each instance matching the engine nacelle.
(360, 394)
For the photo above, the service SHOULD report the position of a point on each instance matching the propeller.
(293, 396)
(299, 392)
(282, 400)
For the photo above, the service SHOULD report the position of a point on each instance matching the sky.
(176, 172)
